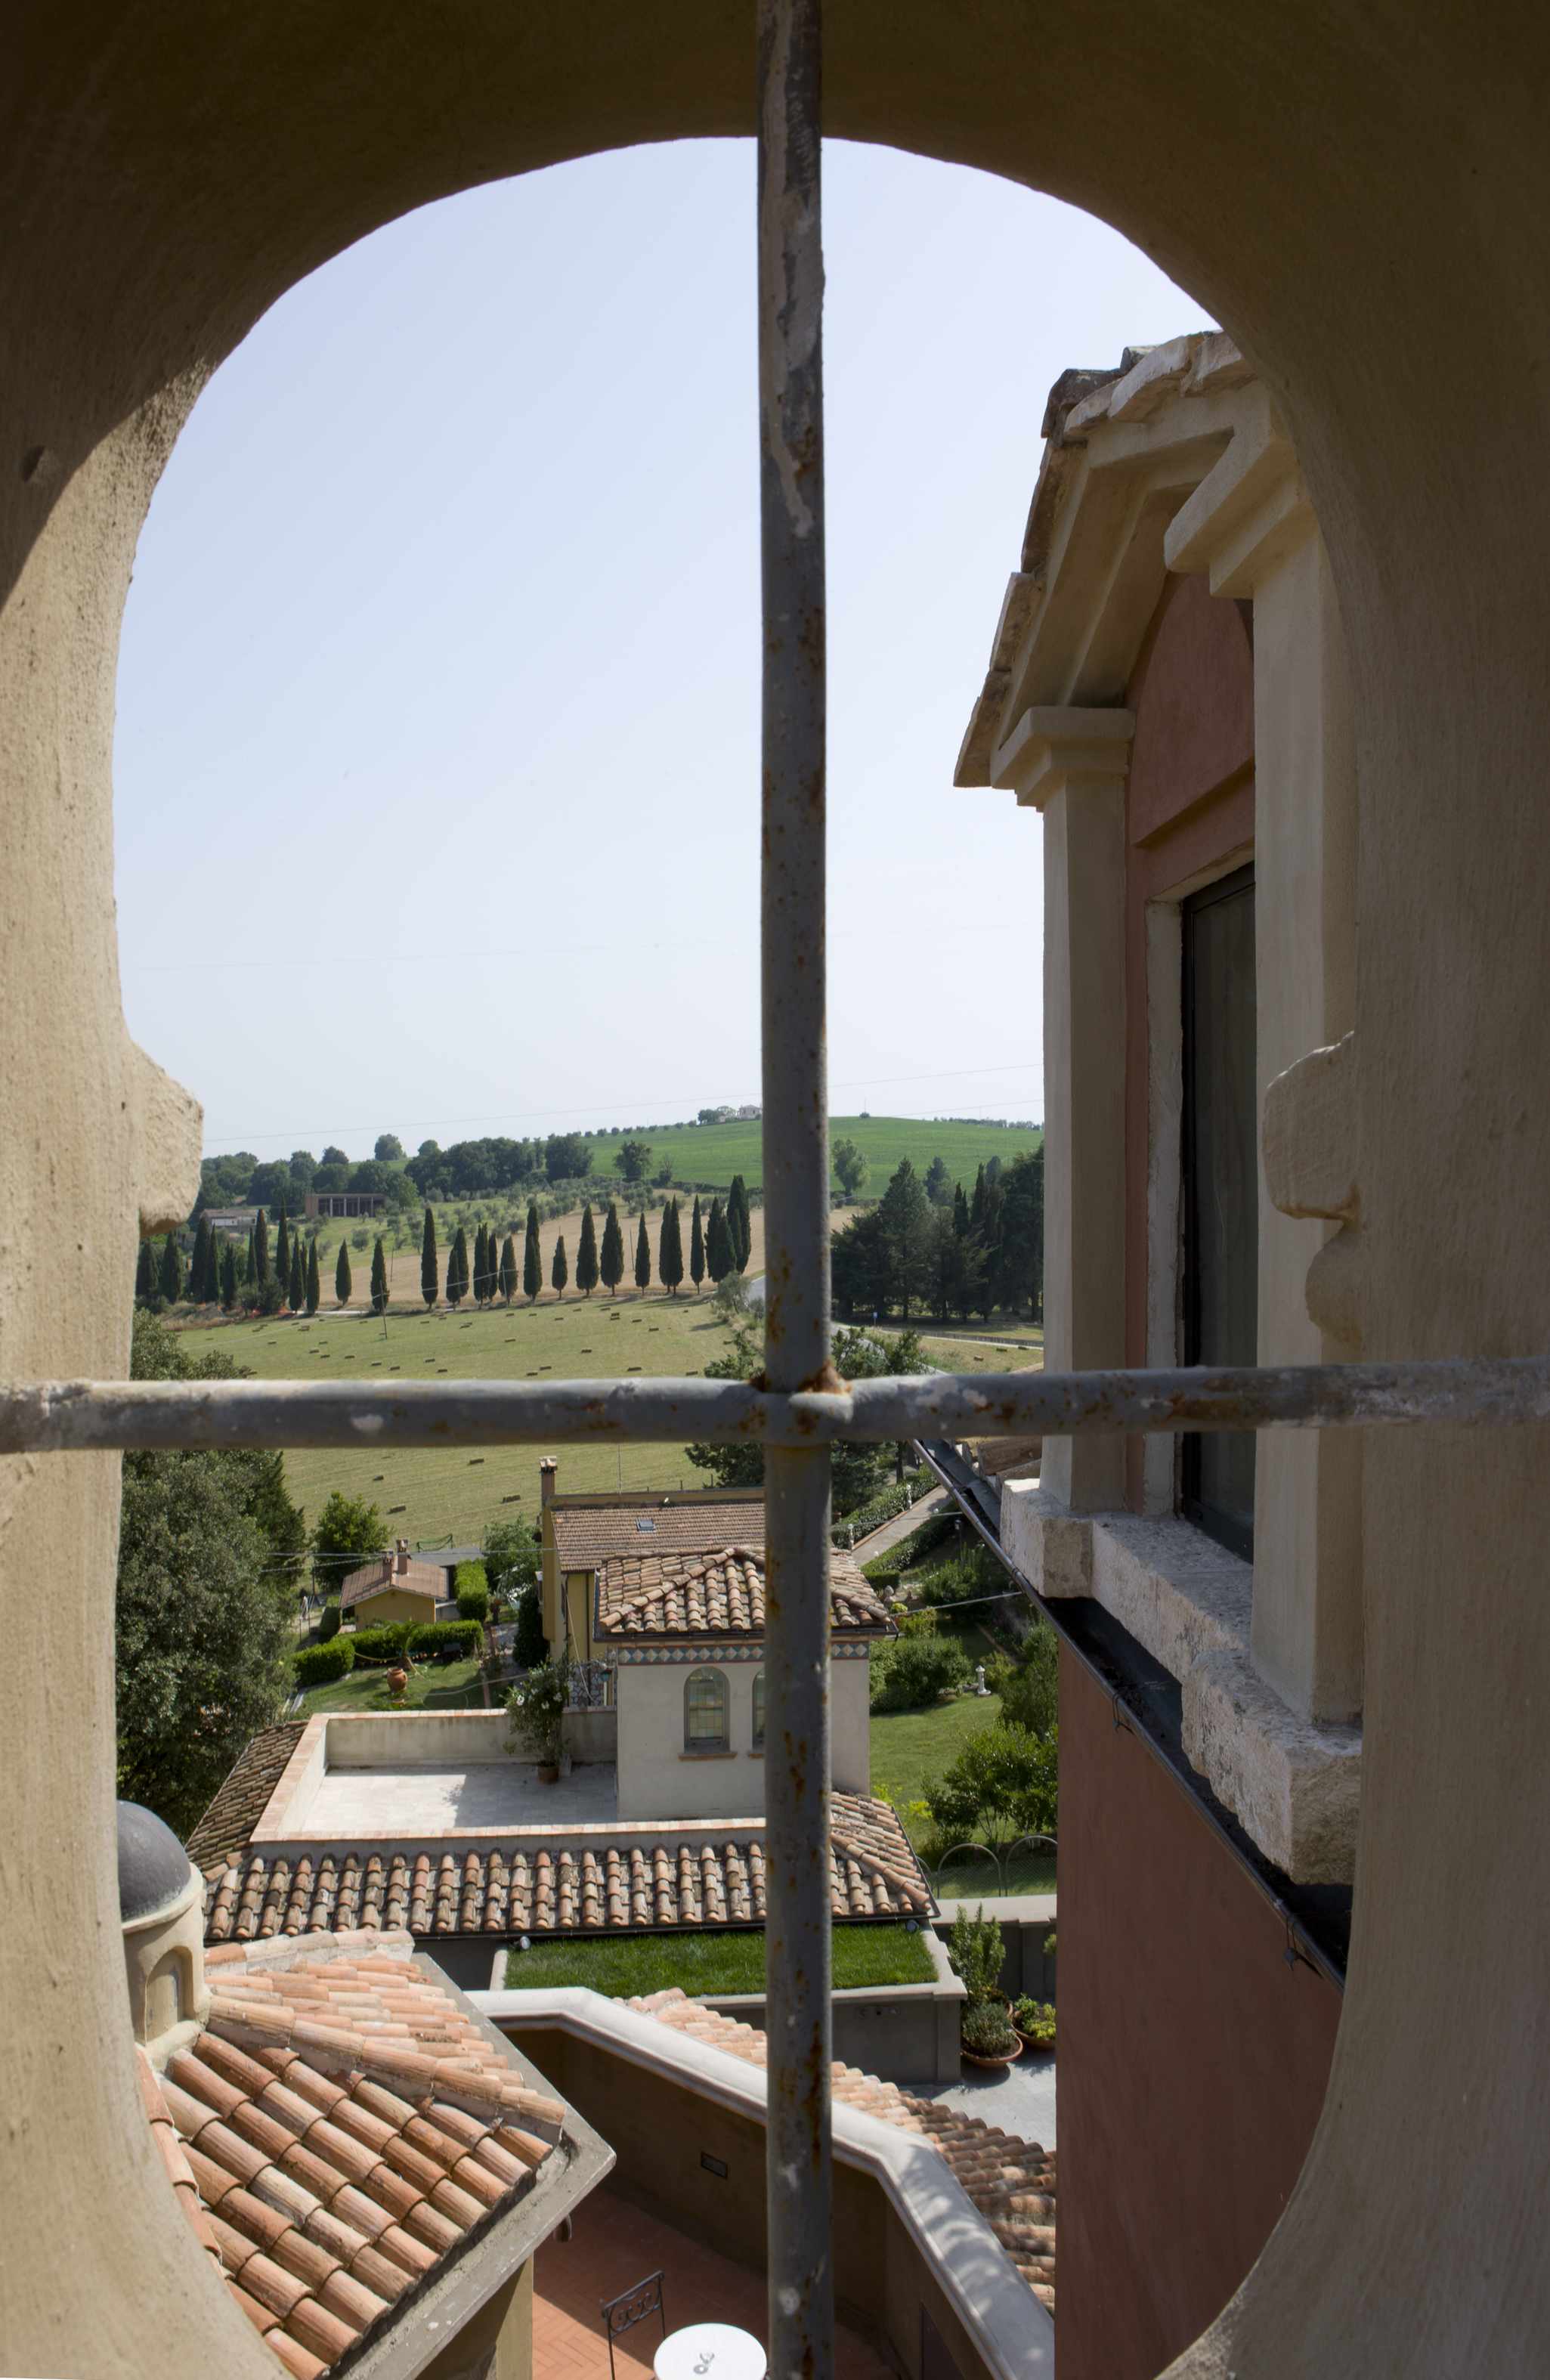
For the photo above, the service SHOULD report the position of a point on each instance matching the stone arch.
(1361, 198)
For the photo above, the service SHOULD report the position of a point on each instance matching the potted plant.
(1035, 2020)
(536, 1707)
(976, 1953)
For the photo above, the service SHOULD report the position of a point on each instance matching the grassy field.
(711, 1962)
(443, 1495)
(714, 1152)
(433, 1685)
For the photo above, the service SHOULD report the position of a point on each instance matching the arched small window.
(705, 1711)
(758, 1710)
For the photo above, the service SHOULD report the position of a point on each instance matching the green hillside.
(712, 1153)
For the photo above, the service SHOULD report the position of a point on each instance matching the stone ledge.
(1293, 1785)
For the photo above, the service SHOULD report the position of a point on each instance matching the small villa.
(395, 1588)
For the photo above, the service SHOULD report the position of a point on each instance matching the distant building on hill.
(749, 1116)
(349, 1203)
(235, 1221)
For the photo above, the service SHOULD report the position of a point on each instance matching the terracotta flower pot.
(398, 1682)
(993, 2065)
(549, 1773)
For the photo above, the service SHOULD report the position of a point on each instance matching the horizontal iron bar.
(74, 1416)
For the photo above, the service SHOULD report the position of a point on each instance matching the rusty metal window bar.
(798, 1404)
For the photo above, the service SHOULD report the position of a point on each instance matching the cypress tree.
(718, 1244)
(228, 1275)
(198, 1289)
(251, 1275)
(343, 1285)
(314, 1284)
(457, 1268)
(612, 1264)
(587, 1254)
(283, 1249)
(430, 1270)
(379, 1279)
(295, 1288)
(561, 1271)
(696, 1249)
(643, 1259)
(481, 1266)
(145, 1271)
(976, 1210)
(670, 1249)
(532, 1256)
(740, 1230)
(261, 1247)
(169, 1278)
(508, 1268)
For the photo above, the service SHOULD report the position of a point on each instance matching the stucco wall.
(658, 1778)
(1193, 2059)
(393, 1604)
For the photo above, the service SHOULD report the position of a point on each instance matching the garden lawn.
(712, 1962)
(433, 1685)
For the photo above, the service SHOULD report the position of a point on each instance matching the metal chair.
(622, 2312)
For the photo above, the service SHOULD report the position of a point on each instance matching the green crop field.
(442, 1494)
(712, 1153)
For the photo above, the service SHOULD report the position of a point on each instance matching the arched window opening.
(705, 1712)
(758, 1711)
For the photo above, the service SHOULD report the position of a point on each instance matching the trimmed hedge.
(317, 1665)
(884, 1506)
(913, 1548)
(473, 1602)
(328, 1625)
(391, 1643)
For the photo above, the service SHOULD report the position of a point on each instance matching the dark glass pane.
(1222, 1190)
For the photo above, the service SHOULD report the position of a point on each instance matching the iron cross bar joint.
(76, 1415)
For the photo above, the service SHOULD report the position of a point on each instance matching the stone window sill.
(711, 1752)
(757, 1752)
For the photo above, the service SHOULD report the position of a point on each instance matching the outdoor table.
(710, 2350)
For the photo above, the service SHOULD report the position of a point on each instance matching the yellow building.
(581, 1533)
(394, 1589)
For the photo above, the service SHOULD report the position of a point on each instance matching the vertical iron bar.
(795, 1187)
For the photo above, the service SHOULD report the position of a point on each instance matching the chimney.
(401, 1546)
(161, 1908)
(547, 1474)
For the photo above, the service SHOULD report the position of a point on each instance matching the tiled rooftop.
(1011, 2182)
(426, 1579)
(339, 2127)
(227, 1826)
(528, 1889)
(648, 1594)
(587, 1534)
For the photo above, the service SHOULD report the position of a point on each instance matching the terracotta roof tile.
(651, 1592)
(415, 1578)
(327, 2170)
(1011, 2182)
(587, 1534)
(227, 1826)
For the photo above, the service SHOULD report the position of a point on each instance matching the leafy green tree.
(849, 1167)
(532, 1256)
(643, 1260)
(169, 1276)
(343, 1285)
(587, 1254)
(388, 1146)
(199, 1268)
(906, 1220)
(379, 1279)
(350, 1534)
(145, 1271)
(1029, 1685)
(634, 1159)
(203, 1602)
(261, 1247)
(613, 1263)
(314, 1285)
(295, 1288)
(429, 1268)
(457, 1268)
(508, 1268)
(740, 1226)
(559, 1272)
(228, 1275)
(567, 1156)
(861, 1266)
(282, 1248)
(718, 1257)
(696, 1249)
(938, 1183)
(1022, 1242)
(670, 1249)
(1004, 1782)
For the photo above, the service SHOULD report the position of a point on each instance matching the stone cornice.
(1056, 745)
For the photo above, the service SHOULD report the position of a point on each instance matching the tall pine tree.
(587, 1254)
(343, 1285)
(145, 1271)
(643, 1259)
(283, 1249)
(198, 1272)
(532, 1256)
(696, 1249)
(612, 1261)
(228, 1275)
(314, 1282)
(718, 1259)
(379, 1279)
(260, 1246)
(481, 1266)
(295, 1288)
(169, 1276)
(670, 1249)
(508, 1268)
(740, 1229)
(560, 1272)
(429, 1269)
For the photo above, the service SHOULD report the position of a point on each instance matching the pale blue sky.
(436, 756)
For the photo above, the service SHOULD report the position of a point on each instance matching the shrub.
(985, 2032)
(886, 1505)
(438, 1635)
(1035, 2019)
(1028, 1686)
(386, 1644)
(917, 1669)
(1003, 1784)
(911, 1549)
(977, 1954)
(536, 1707)
(473, 1602)
(530, 1646)
(317, 1664)
(329, 1625)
